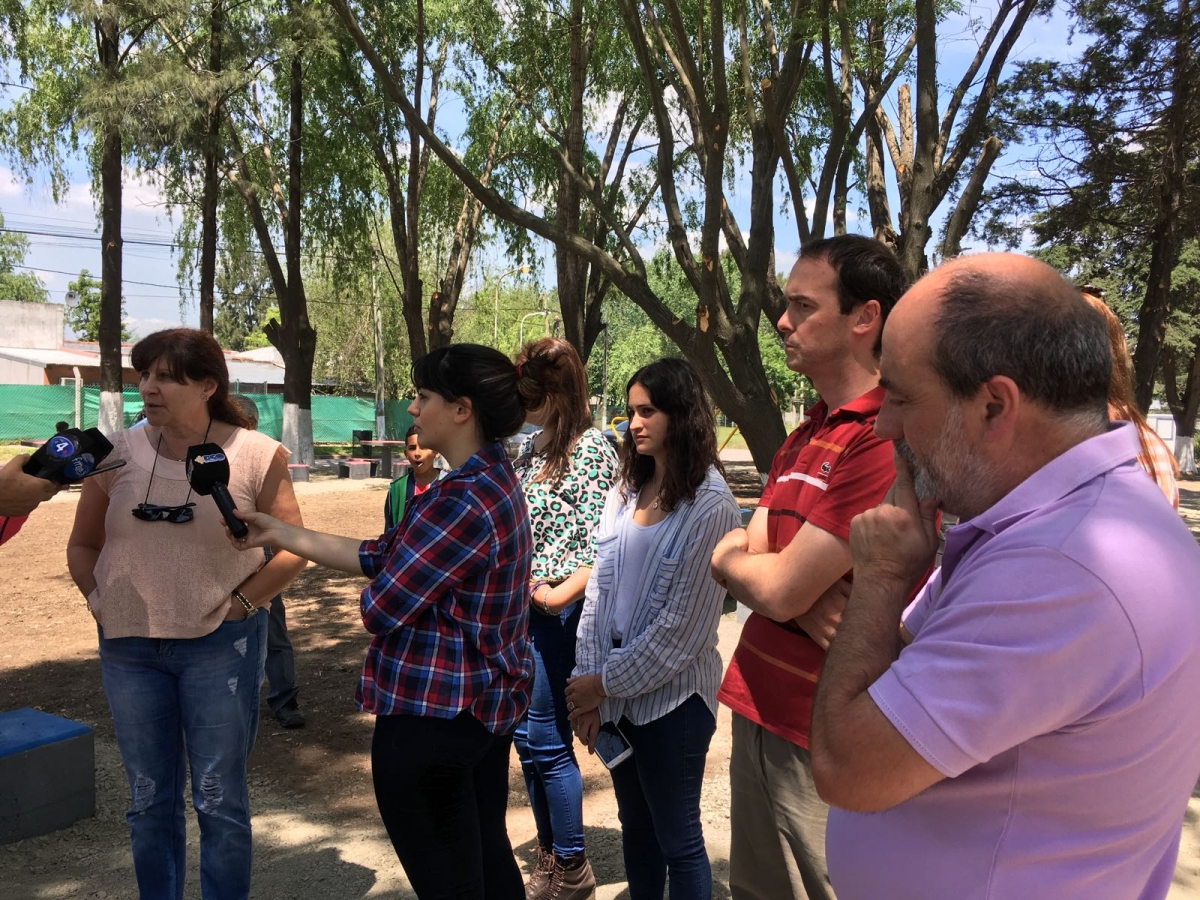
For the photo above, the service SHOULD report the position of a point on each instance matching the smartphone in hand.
(611, 746)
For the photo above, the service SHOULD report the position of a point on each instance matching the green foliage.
(84, 317)
(246, 295)
(487, 311)
(1101, 128)
(633, 341)
(24, 286)
(340, 311)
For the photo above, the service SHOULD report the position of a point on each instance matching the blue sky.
(67, 237)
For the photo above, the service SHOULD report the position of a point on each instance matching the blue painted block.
(47, 773)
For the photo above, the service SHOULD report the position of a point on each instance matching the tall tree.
(431, 227)
(273, 173)
(1117, 133)
(1181, 353)
(751, 405)
(721, 86)
(89, 69)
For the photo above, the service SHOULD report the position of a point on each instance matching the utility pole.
(377, 314)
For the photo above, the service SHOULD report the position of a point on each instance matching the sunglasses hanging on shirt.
(154, 512)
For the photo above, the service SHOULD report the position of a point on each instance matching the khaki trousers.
(777, 821)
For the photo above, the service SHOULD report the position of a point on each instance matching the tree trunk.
(749, 402)
(1164, 235)
(112, 406)
(1156, 306)
(571, 269)
(1183, 408)
(914, 217)
(299, 344)
(212, 184)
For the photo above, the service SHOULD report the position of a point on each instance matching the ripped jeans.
(195, 698)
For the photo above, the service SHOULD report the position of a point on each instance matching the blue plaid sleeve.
(429, 560)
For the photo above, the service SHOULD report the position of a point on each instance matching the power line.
(174, 245)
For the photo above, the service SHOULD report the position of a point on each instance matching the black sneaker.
(290, 716)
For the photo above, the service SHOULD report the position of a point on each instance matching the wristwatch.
(249, 607)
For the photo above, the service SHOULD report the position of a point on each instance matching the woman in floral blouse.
(566, 472)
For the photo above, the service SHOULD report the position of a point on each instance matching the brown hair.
(190, 354)
(553, 382)
(1121, 402)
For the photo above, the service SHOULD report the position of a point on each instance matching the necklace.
(656, 502)
(154, 465)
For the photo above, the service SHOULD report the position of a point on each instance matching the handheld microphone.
(70, 456)
(208, 473)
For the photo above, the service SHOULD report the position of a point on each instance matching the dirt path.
(316, 830)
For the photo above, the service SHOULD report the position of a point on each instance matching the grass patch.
(737, 442)
(8, 451)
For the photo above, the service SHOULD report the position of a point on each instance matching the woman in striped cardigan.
(647, 646)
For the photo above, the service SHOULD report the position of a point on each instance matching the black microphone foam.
(208, 473)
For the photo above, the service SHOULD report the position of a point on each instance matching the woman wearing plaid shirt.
(449, 667)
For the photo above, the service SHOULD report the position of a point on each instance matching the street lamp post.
(521, 332)
(519, 270)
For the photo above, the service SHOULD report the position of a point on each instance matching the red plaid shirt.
(448, 601)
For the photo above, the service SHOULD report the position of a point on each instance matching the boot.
(539, 879)
(571, 879)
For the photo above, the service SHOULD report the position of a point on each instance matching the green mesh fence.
(30, 411)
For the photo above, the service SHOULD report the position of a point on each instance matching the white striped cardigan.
(670, 647)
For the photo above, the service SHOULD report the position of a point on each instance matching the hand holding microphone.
(208, 473)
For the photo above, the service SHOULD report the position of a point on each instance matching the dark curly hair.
(481, 374)
(189, 354)
(553, 382)
(675, 388)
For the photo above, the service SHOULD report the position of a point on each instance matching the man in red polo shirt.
(792, 563)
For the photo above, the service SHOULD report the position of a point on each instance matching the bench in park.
(47, 773)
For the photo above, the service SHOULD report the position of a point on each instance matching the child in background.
(422, 472)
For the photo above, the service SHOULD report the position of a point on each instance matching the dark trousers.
(281, 663)
(442, 790)
(658, 803)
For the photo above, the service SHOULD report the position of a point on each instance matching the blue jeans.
(543, 738)
(658, 803)
(196, 698)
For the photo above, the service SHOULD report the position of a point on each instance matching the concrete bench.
(356, 469)
(47, 773)
(298, 471)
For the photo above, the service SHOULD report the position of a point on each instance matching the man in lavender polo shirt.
(1033, 730)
